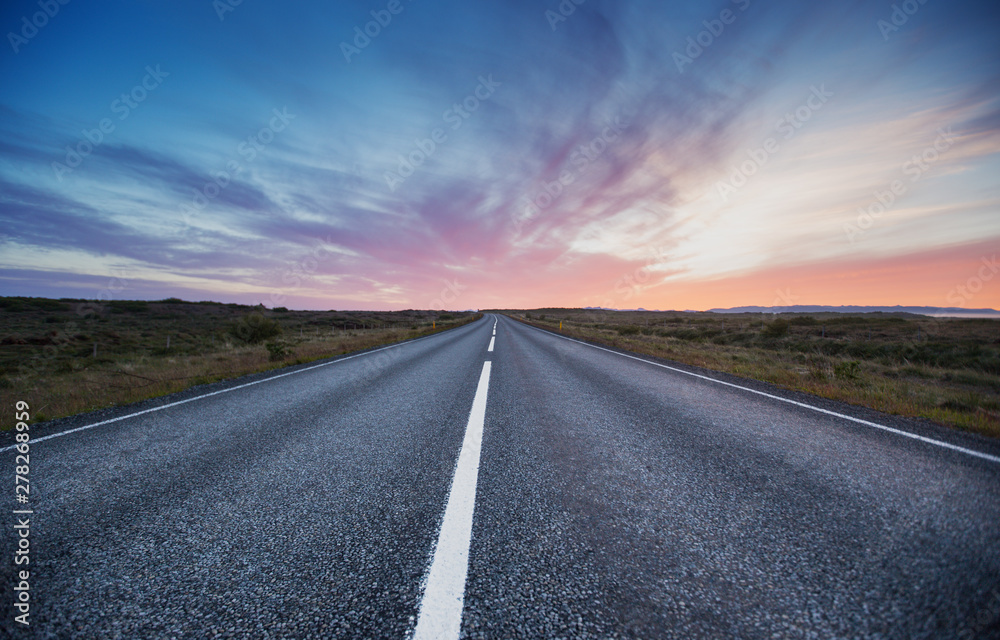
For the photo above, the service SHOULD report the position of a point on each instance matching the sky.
(394, 154)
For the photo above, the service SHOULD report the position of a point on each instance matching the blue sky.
(517, 154)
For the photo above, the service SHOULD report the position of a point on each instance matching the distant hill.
(955, 312)
(948, 312)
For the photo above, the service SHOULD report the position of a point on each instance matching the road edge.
(89, 419)
(920, 428)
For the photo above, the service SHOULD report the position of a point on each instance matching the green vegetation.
(254, 328)
(68, 356)
(943, 369)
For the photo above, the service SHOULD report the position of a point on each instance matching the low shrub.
(254, 328)
(850, 370)
(277, 350)
(776, 329)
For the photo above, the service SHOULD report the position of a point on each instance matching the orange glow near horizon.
(964, 276)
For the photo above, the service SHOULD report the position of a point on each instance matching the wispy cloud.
(597, 156)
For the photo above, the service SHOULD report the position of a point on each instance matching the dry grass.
(50, 364)
(945, 370)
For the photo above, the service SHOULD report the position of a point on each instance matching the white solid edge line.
(215, 393)
(440, 615)
(492, 340)
(946, 445)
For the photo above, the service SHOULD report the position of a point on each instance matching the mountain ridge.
(956, 312)
(918, 310)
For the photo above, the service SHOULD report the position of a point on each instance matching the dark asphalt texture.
(615, 499)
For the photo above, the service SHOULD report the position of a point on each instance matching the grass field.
(946, 370)
(68, 356)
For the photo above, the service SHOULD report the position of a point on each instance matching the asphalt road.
(594, 495)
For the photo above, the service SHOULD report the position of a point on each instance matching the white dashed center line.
(441, 608)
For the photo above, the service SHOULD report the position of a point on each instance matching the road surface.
(498, 486)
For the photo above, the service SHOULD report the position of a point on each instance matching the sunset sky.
(394, 154)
